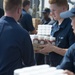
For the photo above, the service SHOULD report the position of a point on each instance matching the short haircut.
(11, 5)
(59, 2)
(25, 2)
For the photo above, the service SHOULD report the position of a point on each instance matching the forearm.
(33, 32)
(60, 51)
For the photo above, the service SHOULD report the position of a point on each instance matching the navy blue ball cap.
(46, 10)
(68, 13)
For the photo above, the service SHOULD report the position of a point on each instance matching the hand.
(47, 48)
(68, 72)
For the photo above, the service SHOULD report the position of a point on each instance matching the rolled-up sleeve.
(67, 62)
(27, 51)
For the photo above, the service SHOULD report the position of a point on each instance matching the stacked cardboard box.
(36, 22)
(39, 70)
(41, 37)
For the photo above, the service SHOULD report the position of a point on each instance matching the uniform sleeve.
(67, 62)
(71, 36)
(27, 51)
(26, 22)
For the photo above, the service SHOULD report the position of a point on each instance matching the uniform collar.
(64, 23)
(57, 27)
(9, 19)
(24, 10)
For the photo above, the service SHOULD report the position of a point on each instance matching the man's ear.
(65, 8)
(18, 10)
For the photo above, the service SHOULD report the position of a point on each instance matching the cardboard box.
(36, 22)
(38, 40)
